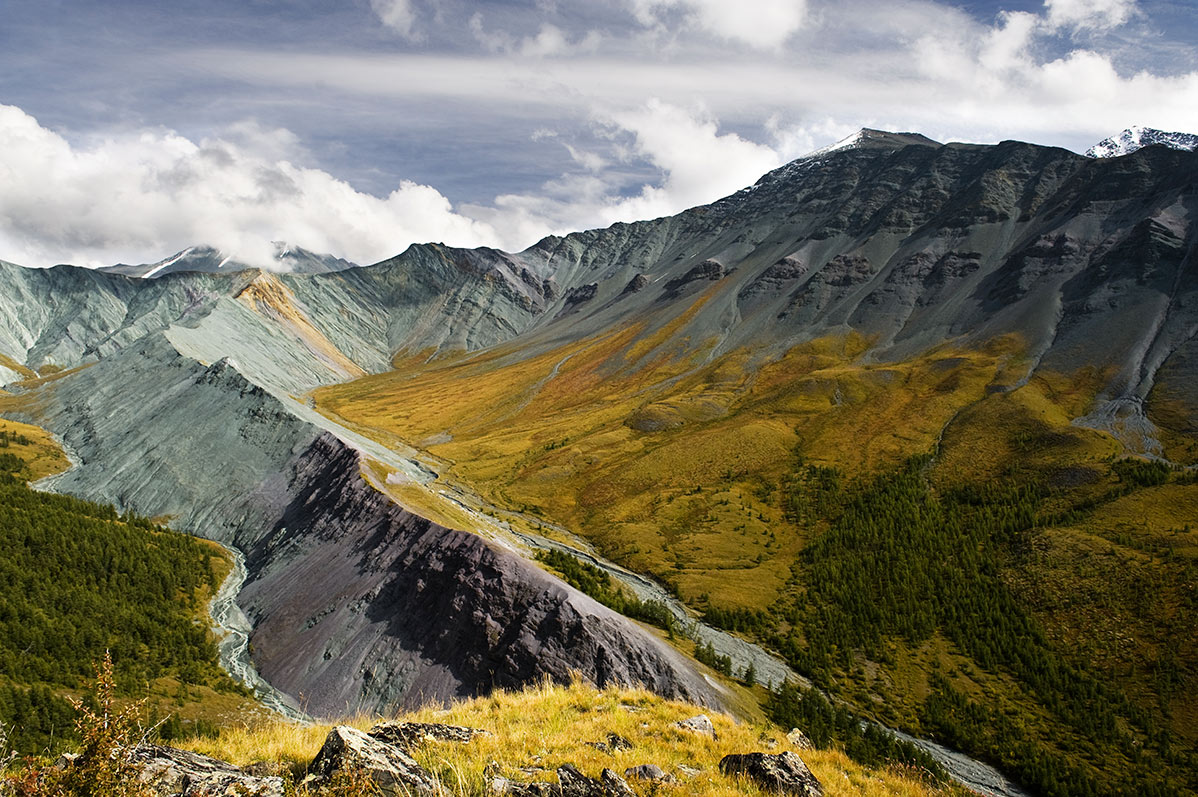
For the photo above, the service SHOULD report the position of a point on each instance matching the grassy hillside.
(544, 728)
(931, 540)
(77, 580)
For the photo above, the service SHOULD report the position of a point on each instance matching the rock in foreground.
(782, 774)
(349, 750)
(180, 773)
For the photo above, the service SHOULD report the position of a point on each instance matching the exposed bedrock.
(357, 604)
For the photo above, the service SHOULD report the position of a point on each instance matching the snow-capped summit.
(867, 137)
(1134, 138)
(212, 260)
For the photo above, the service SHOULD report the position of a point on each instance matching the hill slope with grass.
(914, 416)
(80, 581)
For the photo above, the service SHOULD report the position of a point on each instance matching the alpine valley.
(905, 431)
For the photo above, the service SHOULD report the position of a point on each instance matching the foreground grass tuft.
(537, 730)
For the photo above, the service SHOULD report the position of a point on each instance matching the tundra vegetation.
(931, 541)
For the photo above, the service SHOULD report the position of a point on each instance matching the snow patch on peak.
(1134, 138)
(170, 261)
(867, 137)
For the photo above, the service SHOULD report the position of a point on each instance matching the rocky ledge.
(379, 762)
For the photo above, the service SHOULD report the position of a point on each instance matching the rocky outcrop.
(407, 735)
(635, 284)
(784, 773)
(421, 612)
(169, 772)
(349, 752)
(571, 783)
(700, 724)
(707, 271)
(648, 772)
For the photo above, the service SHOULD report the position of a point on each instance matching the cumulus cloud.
(399, 15)
(138, 197)
(550, 40)
(692, 161)
(1092, 14)
(697, 163)
(763, 24)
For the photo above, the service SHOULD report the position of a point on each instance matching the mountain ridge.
(854, 310)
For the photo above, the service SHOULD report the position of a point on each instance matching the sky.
(131, 129)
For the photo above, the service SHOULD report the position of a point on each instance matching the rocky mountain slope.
(292, 259)
(599, 379)
(1134, 138)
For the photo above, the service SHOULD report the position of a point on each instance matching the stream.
(771, 670)
(233, 629)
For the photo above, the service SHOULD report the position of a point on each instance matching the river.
(233, 629)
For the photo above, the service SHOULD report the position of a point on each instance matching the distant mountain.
(1134, 138)
(961, 342)
(868, 138)
(210, 260)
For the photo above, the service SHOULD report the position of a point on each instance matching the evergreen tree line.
(76, 580)
(8, 438)
(827, 725)
(594, 582)
(901, 561)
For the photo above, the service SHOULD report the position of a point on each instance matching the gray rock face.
(418, 612)
(649, 772)
(179, 773)
(700, 724)
(207, 259)
(784, 773)
(407, 735)
(349, 750)
(186, 407)
(571, 783)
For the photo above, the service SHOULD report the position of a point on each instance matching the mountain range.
(704, 405)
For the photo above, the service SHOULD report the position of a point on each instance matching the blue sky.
(130, 129)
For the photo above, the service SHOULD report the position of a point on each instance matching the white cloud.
(550, 40)
(397, 15)
(698, 164)
(694, 161)
(1092, 14)
(139, 197)
(763, 24)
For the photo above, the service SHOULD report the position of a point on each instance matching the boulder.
(784, 773)
(392, 770)
(614, 743)
(799, 740)
(649, 772)
(575, 784)
(178, 773)
(614, 785)
(571, 783)
(407, 735)
(700, 724)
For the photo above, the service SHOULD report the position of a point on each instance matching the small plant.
(105, 765)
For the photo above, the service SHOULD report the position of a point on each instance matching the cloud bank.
(142, 196)
(553, 116)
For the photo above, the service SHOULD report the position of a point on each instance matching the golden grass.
(43, 456)
(269, 297)
(548, 726)
(624, 439)
(13, 365)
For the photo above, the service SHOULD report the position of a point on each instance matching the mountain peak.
(869, 138)
(1134, 138)
(211, 260)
